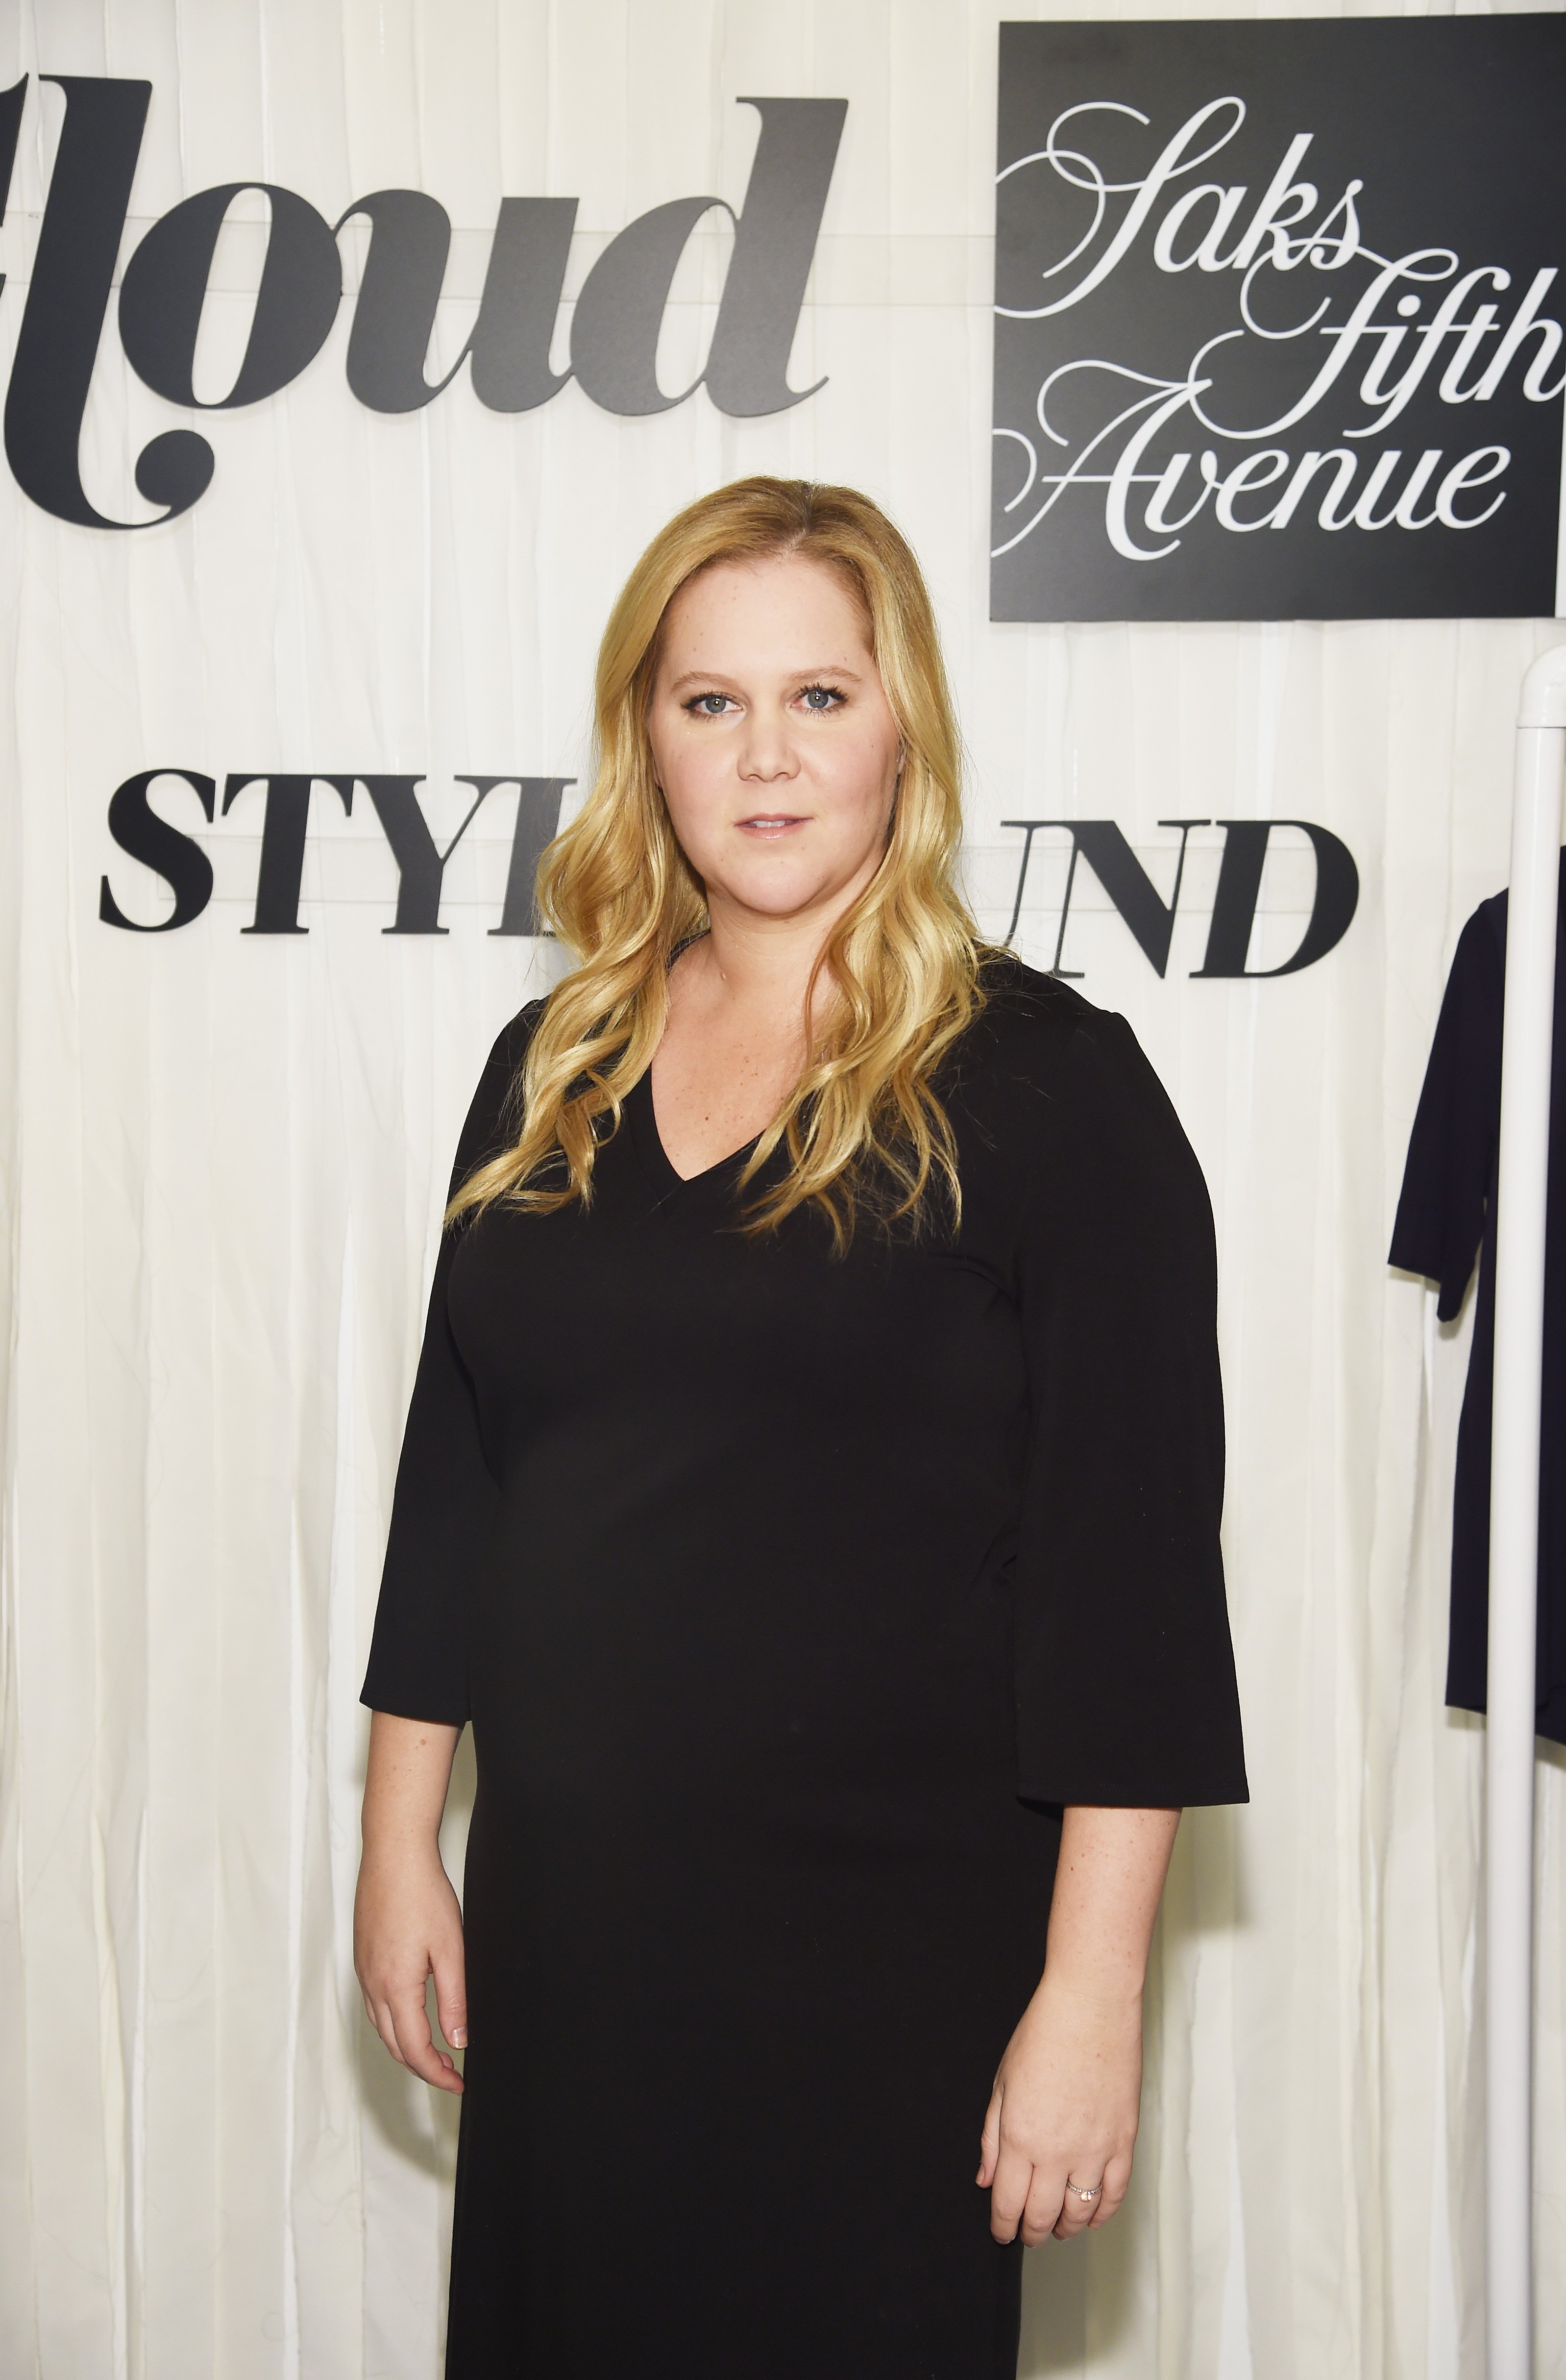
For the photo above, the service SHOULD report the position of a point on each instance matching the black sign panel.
(1278, 319)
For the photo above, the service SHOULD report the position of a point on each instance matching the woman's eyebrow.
(795, 677)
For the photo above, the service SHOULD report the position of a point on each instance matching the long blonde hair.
(863, 1129)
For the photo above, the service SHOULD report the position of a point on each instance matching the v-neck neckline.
(655, 1157)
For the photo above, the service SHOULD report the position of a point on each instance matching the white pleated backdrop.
(223, 1158)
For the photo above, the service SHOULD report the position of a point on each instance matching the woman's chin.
(776, 899)
(778, 884)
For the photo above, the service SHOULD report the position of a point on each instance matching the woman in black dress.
(811, 1495)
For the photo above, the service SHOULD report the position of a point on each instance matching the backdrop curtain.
(223, 1158)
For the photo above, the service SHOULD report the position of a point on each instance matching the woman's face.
(773, 738)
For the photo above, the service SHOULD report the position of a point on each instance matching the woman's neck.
(760, 966)
(760, 970)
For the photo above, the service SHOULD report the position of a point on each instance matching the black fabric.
(790, 1597)
(1445, 1217)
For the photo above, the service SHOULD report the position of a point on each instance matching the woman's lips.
(768, 825)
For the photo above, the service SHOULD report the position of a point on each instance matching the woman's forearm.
(1111, 1871)
(405, 1782)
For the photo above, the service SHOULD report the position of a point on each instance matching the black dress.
(790, 1597)
(1446, 1218)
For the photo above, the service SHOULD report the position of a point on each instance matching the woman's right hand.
(408, 1926)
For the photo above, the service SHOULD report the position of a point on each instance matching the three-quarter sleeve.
(446, 1495)
(1125, 1679)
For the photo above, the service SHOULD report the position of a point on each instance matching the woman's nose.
(767, 749)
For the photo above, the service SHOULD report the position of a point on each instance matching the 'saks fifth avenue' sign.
(1278, 319)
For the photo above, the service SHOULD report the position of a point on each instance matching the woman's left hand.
(1063, 2109)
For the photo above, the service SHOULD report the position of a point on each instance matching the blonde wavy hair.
(863, 1130)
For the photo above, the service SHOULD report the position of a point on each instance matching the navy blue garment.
(1445, 1217)
(789, 1595)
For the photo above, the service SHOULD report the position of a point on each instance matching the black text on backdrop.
(613, 331)
(283, 797)
(284, 801)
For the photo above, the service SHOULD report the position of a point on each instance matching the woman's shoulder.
(1042, 1069)
(1035, 1032)
(503, 1067)
(492, 1113)
(511, 1042)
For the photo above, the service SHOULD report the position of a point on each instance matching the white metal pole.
(1514, 1513)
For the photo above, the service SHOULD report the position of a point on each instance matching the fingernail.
(459, 2037)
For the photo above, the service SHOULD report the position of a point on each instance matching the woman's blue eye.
(817, 699)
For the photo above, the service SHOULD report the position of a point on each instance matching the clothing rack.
(1514, 1515)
